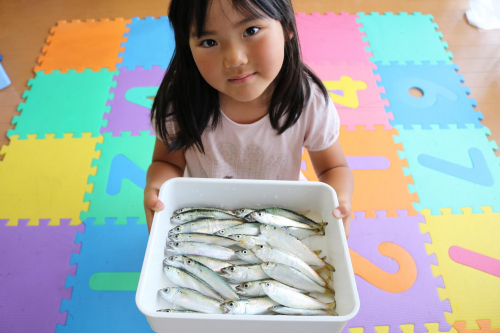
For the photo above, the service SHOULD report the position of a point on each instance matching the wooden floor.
(24, 25)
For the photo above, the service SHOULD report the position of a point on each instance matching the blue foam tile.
(445, 100)
(150, 42)
(105, 248)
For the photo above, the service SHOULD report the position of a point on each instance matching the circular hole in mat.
(416, 92)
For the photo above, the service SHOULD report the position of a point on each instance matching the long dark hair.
(189, 100)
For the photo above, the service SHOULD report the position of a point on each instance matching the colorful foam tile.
(331, 37)
(82, 45)
(378, 186)
(150, 42)
(46, 179)
(402, 37)
(32, 275)
(132, 100)
(468, 257)
(120, 179)
(451, 168)
(354, 90)
(393, 274)
(109, 265)
(445, 100)
(61, 103)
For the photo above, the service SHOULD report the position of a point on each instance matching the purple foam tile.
(417, 305)
(33, 270)
(125, 116)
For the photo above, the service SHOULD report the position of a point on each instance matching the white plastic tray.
(231, 194)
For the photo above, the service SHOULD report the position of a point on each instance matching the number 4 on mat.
(479, 173)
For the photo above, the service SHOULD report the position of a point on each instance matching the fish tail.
(329, 291)
(328, 266)
(324, 270)
(317, 251)
(331, 308)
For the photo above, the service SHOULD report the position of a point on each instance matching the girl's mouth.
(243, 79)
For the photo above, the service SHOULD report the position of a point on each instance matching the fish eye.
(171, 258)
(268, 284)
(189, 261)
(238, 236)
(268, 264)
(246, 285)
(176, 244)
(231, 304)
(167, 311)
(261, 246)
(178, 228)
(260, 214)
(232, 269)
(222, 232)
(244, 251)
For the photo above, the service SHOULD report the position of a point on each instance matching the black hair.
(185, 97)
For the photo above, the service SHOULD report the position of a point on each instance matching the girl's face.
(238, 56)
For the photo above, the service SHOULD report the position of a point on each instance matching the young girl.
(238, 102)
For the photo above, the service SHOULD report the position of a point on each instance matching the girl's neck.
(246, 112)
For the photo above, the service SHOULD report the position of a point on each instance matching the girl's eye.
(208, 43)
(251, 31)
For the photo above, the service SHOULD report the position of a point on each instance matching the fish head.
(244, 288)
(168, 293)
(242, 212)
(268, 287)
(261, 250)
(177, 230)
(173, 246)
(222, 233)
(175, 237)
(268, 266)
(260, 216)
(230, 272)
(188, 262)
(177, 219)
(173, 260)
(233, 307)
(244, 255)
(237, 237)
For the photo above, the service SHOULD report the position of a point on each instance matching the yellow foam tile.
(46, 178)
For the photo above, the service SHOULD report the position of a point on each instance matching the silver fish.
(294, 278)
(208, 276)
(201, 249)
(253, 288)
(251, 229)
(203, 238)
(291, 215)
(246, 241)
(177, 311)
(242, 212)
(248, 256)
(302, 233)
(301, 312)
(196, 214)
(269, 254)
(279, 221)
(185, 279)
(251, 306)
(243, 273)
(214, 264)
(186, 209)
(283, 295)
(191, 300)
(280, 239)
(206, 226)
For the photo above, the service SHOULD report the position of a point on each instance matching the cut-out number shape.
(430, 90)
(141, 96)
(475, 260)
(479, 173)
(349, 87)
(123, 168)
(397, 282)
(114, 281)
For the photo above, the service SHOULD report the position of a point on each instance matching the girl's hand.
(152, 204)
(343, 211)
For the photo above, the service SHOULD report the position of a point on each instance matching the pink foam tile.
(331, 37)
(371, 110)
(33, 270)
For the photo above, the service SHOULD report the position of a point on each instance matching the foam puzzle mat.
(426, 208)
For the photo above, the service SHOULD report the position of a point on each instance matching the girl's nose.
(234, 56)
